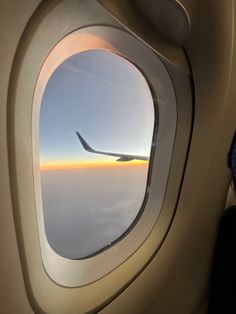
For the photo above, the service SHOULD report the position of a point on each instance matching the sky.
(105, 98)
(89, 200)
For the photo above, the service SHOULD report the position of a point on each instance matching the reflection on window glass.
(96, 127)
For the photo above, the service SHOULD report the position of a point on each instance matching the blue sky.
(105, 98)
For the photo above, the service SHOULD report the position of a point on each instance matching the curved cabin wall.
(184, 257)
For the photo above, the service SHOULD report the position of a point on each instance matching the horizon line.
(89, 164)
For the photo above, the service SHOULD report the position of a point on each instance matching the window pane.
(96, 128)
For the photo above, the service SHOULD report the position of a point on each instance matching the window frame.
(48, 26)
(90, 269)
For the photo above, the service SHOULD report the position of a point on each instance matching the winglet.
(84, 143)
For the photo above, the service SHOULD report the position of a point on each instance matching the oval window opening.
(95, 130)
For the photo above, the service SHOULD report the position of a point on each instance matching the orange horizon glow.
(89, 164)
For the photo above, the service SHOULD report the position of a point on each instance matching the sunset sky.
(106, 99)
(90, 200)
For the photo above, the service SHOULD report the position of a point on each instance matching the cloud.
(85, 210)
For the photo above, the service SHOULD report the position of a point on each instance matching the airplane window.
(95, 131)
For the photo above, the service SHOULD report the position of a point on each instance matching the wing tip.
(83, 142)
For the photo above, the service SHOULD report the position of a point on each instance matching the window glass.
(96, 128)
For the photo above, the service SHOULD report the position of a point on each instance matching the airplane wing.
(122, 157)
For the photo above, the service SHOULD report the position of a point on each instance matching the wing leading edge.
(121, 157)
